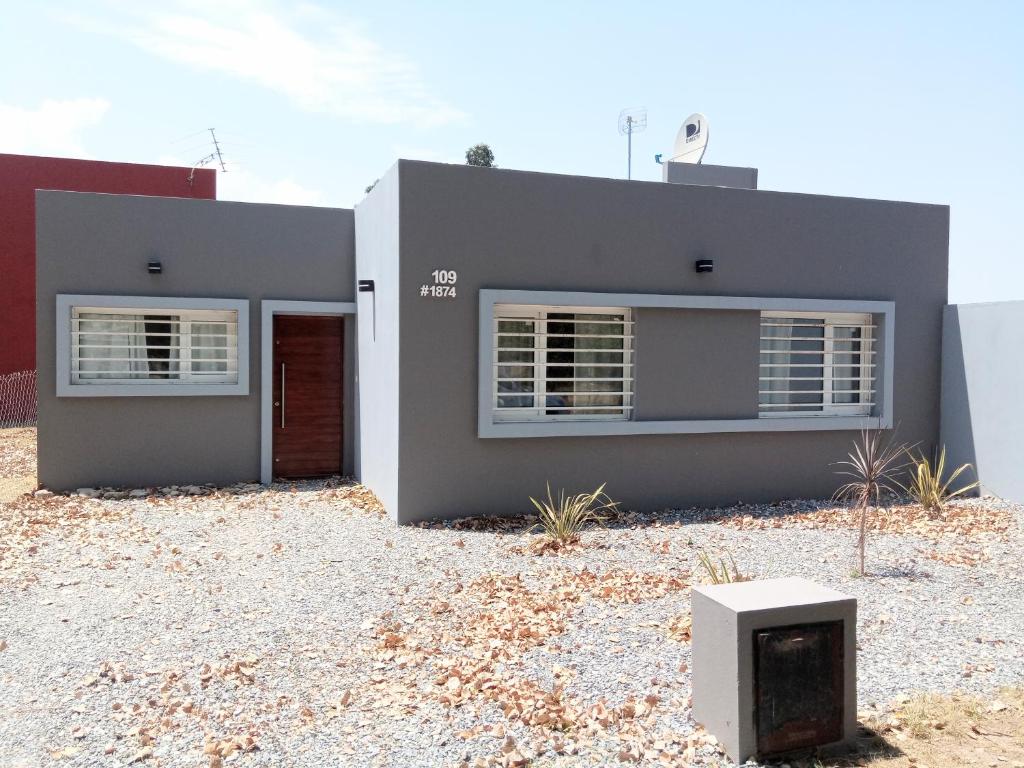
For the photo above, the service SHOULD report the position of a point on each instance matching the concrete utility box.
(774, 666)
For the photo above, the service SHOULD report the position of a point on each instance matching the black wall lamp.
(154, 267)
(705, 265)
(367, 286)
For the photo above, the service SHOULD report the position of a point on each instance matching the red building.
(20, 177)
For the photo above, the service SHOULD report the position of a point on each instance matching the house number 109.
(443, 287)
(444, 276)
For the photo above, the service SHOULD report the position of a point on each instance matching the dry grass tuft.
(1012, 697)
(941, 731)
(720, 572)
(924, 715)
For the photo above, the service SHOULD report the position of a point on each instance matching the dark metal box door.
(308, 396)
(798, 686)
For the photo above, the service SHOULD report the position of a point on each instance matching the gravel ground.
(298, 626)
(17, 461)
(17, 451)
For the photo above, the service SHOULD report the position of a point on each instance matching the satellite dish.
(692, 140)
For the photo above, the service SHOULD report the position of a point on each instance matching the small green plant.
(480, 155)
(871, 465)
(564, 518)
(720, 572)
(926, 485)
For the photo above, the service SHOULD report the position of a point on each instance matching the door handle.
(282, 395)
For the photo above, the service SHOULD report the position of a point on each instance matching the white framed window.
(562, 363)
(124, 345)
(817, 364)
(153, 346)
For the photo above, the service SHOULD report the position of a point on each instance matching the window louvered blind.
(816, 364)
(557, 363)
(137, 346)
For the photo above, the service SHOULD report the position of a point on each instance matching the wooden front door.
(308, 395)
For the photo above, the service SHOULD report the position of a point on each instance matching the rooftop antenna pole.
(207, 159)
(631, 121)
(216, 151)
(629, 146)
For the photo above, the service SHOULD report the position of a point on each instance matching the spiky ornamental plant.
(927, 486)
(871, 465)
(564, 518)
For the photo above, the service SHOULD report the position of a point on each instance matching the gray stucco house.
(467, 335)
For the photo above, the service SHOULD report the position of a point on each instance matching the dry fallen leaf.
(61, 753)
(143, 754)
(968, 518)
(679, 629)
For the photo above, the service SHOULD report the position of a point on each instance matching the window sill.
(682, 427)
(152, 390)
(815, 415)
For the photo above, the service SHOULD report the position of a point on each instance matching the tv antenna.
(215, 155)
(631, 121)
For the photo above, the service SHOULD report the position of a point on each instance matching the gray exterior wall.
(100, 244)
(513, 230)
(681, 372)
(709, 175)
(982, 418)
(377, 231)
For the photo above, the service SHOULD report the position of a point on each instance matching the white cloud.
(315, 57)
(246, 186)
(411, 152)
(54, 128)
(249, 187)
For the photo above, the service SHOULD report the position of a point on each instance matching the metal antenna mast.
(631, 121)
(206, 160)
(216, 149)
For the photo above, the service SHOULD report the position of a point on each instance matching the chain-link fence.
(18, 399)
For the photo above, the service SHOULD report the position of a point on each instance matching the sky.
(918, 101)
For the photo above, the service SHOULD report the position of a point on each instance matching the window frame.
(883, 310)
(67, 384)
(867, 380)
(539, 314)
